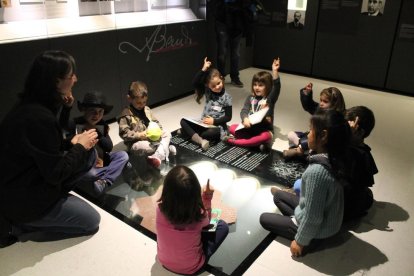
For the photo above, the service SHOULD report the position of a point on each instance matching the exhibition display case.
(23, 20)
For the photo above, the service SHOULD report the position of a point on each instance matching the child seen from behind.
(184, 244)
(317, 213)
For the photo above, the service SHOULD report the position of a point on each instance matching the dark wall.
(339, 43)
(165, 57)
(274, 39)
(400, 74)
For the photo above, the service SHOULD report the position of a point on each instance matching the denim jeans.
(118, 159)
(70, 217)
(225, 42)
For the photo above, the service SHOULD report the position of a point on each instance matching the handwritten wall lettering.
(159, 41)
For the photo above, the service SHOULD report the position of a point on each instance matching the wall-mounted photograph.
(5, 4)
(31, 1)
(373, 7)
(296, 20)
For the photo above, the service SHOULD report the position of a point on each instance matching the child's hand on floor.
(296, 249)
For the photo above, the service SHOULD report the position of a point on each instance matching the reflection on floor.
(238, 175)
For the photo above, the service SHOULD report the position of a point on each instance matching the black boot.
(6, 238)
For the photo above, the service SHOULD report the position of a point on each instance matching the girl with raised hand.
(184, 244)
(209, 82)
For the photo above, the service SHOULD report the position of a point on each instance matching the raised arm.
(306, 99)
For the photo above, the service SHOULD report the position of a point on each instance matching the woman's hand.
(206, 64)
(296, 249)
(87, 139)
(68, 100)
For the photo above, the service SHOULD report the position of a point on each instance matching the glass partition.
(36, 19)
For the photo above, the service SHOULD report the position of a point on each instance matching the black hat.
(94, 99)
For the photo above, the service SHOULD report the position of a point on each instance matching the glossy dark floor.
(238, 175)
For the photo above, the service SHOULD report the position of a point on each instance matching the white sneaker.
(172, 149)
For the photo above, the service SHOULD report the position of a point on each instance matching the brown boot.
(202, 142)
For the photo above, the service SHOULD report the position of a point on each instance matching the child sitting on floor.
(265, 91)
(141, 131)
(109, 165)
(330, 98)
(317, 213)
(182, 212)
(358, 197)
(217, 111)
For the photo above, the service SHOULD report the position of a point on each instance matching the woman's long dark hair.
(338, 138)
(181, 200)
(41, 82)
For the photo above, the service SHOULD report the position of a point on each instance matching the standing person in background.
(233, 19)
(37, 166)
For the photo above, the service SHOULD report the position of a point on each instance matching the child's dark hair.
(338, 137)
(366, 118)
(137, 89)
(208, 75)
(265, 78)
(181, 199)
(335, 97)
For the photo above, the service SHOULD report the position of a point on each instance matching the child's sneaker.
(100, 185)
(226, 138)
(154, 161)
(173, 150)
(265, 148)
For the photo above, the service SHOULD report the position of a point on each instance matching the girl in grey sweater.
(317, 213)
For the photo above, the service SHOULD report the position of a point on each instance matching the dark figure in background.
(233, 19)
(38, 167)
(295, 24)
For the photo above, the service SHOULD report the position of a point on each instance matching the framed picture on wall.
(373, 7)
(5, 3)
(296, 19)
(31, 1)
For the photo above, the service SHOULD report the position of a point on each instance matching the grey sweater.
(321, 205)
